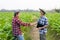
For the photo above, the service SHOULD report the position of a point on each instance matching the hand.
(34, 23)
(40, 28)
(36, 28)
(31, 24)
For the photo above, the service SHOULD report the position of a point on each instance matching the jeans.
(19, 37)
(43, 34)
(42, 37)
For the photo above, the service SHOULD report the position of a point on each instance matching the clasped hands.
(34, 23)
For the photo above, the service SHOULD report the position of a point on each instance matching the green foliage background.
(6, 27)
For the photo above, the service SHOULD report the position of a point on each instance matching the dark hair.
(16, 14)
(42, 11)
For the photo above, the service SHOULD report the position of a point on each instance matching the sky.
(29, 4)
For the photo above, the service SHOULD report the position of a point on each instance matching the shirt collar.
(16, 17)
(42, 16)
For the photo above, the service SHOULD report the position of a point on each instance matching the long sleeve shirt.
(16, 23)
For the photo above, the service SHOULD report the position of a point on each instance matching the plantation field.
(6, 27)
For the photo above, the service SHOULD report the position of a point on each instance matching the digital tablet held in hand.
(39, 25)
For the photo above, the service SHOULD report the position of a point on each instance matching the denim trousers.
(42, 34)
(19, 37)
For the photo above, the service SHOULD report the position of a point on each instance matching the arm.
(32, 24)
(22, 23)
(45, 26)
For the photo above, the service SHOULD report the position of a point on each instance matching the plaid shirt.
(16, 26)
(44, 21)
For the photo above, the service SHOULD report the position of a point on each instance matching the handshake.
(32, 24)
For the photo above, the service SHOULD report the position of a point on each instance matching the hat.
(16, 11)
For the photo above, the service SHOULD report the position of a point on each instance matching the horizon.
(29, 4)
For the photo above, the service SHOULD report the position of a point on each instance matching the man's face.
(18, 14)
(41, 13)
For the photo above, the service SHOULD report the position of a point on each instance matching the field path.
(34, 33)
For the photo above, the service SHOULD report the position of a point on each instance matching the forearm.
(25, 24)
(45, 26)
(34, 23)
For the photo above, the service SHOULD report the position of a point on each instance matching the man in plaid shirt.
(42, 25)
(16, 23)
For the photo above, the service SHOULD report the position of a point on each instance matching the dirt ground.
(35, 33)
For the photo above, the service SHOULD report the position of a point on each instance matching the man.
(16, 23)
(42, 25)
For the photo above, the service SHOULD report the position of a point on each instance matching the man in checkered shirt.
(16, 23)
(42, 25)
